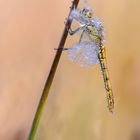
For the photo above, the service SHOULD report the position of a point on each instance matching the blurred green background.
(76, 106)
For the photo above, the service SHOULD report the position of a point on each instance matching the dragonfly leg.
(72, 32)
(63, 49)
(81, 37)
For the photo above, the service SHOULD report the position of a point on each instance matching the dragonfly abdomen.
(105, 73)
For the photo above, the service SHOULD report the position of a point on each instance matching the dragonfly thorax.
(94, 34)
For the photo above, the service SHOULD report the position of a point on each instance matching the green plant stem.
(51, 74)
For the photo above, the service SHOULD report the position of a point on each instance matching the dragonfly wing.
(90, 51)
(84, 54)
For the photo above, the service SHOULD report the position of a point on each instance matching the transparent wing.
(99, 26)
(75, 14)
(84, 54)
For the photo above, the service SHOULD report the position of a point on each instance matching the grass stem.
(51, 74)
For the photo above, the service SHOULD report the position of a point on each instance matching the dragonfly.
(90, 49)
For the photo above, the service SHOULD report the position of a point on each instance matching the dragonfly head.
(86, 13)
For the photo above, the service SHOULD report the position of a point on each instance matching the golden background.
(76, 106)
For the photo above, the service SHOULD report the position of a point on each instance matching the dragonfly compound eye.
(87, 13)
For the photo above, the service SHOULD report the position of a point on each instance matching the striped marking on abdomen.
(105, 73)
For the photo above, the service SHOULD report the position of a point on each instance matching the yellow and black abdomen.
(105, 73)
(93, 34)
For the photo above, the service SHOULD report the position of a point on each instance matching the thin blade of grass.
(51, 74)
